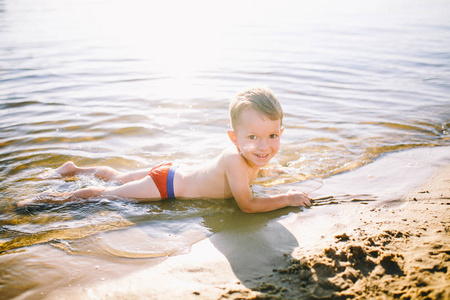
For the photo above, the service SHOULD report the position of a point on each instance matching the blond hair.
(260, 99)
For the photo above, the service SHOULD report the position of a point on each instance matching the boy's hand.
(297, 198)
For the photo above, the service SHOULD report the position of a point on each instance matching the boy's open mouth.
(262, 155)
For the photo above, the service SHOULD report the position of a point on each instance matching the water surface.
(131, 85)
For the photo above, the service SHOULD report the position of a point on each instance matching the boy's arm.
(237, 176)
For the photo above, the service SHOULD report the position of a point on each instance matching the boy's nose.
(263, 145)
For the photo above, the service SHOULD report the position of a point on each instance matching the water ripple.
(355, 83)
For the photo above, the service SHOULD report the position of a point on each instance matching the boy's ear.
(281, 130)
(232, 136)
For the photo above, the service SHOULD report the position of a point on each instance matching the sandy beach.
(380, 232)
(393, 253)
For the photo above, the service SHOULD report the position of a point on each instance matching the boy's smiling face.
(257, 137)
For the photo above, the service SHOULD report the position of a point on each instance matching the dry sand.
(401, 253)
(379, 232)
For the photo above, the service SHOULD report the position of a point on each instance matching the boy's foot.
(67, 169)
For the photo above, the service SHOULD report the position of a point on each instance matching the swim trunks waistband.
(163, 176)
(170, 177)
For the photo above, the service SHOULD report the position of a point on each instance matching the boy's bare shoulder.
(230, 155)
(233, 163)
(231, 159)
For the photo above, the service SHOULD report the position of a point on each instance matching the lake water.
(132, 84)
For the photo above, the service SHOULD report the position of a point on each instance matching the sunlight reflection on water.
(103, 83)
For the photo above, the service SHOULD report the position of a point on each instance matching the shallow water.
(100, 83)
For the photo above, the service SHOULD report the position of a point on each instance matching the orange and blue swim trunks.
(163, 175)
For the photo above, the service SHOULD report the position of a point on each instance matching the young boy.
(256, 122)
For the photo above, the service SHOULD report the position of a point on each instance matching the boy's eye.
(252, 137)
(273, 136)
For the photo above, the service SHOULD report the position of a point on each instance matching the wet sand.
(381, 231)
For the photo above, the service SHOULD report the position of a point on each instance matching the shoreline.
(393, 253)
(371, 240)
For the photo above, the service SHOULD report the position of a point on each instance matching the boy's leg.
(141, 190)
(102, 172)
(131, 176)
(70, 169)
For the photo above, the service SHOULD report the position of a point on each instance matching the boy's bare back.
(208, 180)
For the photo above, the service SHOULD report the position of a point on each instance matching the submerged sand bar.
(382, 230)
